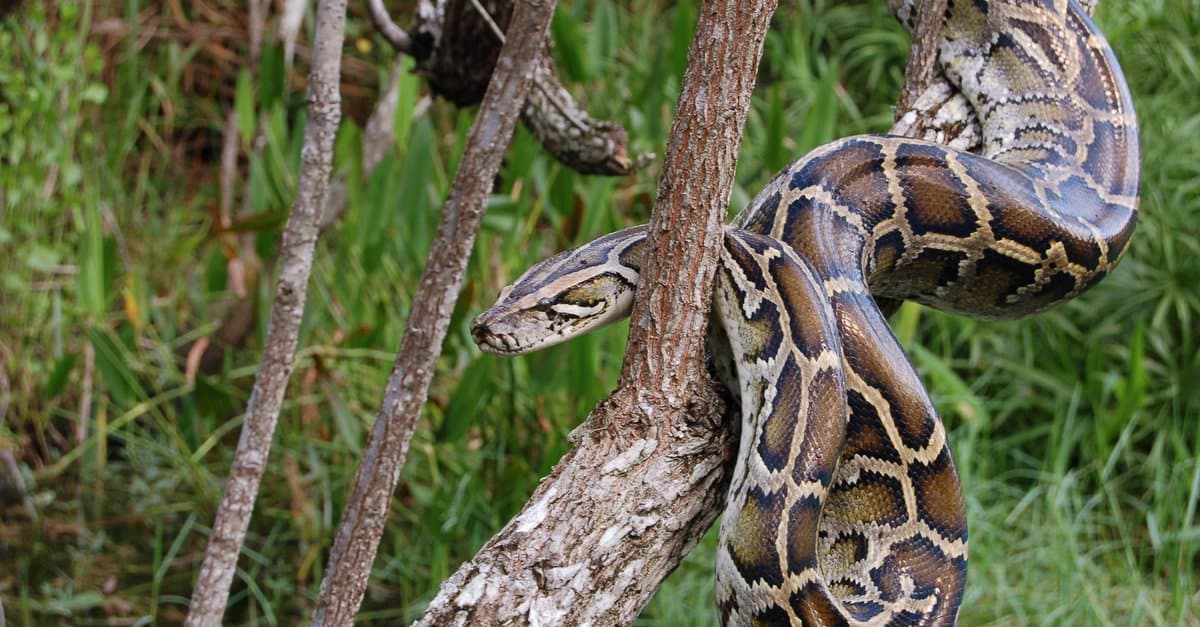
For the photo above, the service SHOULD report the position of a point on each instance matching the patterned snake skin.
(845, 506)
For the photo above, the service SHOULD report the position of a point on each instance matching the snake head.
(568, 294)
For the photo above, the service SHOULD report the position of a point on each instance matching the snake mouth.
(490, 339)
(499, 334)
(496, 344)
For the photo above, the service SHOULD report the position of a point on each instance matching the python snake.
(844, 505)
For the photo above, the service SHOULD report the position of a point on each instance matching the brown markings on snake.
(937, 485)
(1041, 215)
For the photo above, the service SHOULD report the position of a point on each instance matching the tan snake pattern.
(845, 506)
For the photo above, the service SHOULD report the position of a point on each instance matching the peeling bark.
(296, 255)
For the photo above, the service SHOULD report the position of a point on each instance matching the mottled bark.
(366, 510)
(296, 256)
(455, 44)
(647, 475)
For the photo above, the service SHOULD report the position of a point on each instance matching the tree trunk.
(647, 475)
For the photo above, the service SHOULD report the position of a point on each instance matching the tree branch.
(296, 255)
(455, 45)
(383, 23)
(366, 511)
(647, 474)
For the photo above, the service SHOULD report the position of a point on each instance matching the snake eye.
(545, 302)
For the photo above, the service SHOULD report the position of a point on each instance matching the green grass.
(1075, 432)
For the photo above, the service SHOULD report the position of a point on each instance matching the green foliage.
(1075, 432)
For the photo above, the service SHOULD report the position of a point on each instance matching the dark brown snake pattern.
(845, 506)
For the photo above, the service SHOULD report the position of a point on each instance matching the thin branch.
(7, 460)
(290, 19)
(367, 508)
(258, 20)
(296, 255)
(647, 475)
(394, 35)
(85, 394)
(487, 17)
(455, 43)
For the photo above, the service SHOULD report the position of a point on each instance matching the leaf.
(95, 93)
(112, 362)
(568, 40)
(775, 156)
(90, 281)
(272, 76)
(409, 92)
(54, 384)
(470, 396)
(820, 122)
(243, 104)
(42, 258)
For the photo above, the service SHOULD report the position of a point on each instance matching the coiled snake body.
(845, 506)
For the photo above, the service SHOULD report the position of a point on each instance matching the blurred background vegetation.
(1075, 432)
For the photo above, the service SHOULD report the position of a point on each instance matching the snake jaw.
(514, 328)
(503, 331)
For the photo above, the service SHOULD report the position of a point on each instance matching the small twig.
(228, 173)
(7, 459)
(487, 17)
(290, 20)
(85, 394)
(258, 20)
(296, 256)
(370, 497)
(386, 27)
(14, 471)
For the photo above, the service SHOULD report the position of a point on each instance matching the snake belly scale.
(845, 506)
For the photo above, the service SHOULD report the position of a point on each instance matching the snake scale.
(845, 506)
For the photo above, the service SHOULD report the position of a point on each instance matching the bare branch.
(395, 35)
(366, 510)
(566, 131)
(487, 18)
(292, 15)
(296, 255)
(455, 43)
(647, 476)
